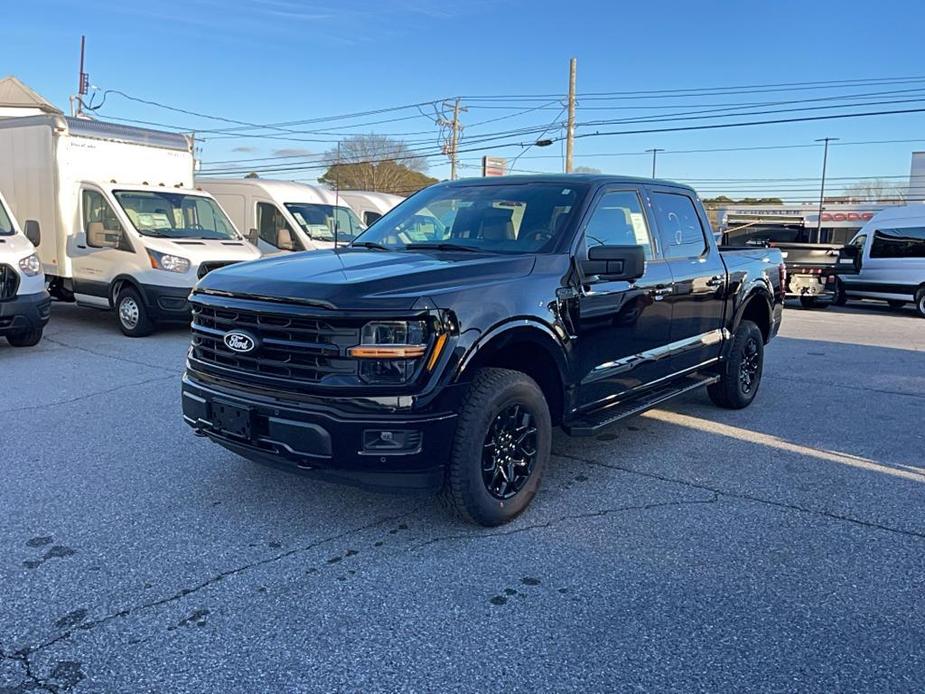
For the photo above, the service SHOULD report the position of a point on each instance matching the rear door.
(623, 327)
(698, 273)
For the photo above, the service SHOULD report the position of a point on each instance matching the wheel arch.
(527, 346)
(756, 306)
(119, 283)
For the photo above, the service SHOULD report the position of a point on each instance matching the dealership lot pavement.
(778, 547)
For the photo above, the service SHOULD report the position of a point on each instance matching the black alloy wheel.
(750, 365)
(509, 451)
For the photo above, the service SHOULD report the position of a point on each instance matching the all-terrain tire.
(742, 369)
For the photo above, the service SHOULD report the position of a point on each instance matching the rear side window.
(679, 229)
(899, 243)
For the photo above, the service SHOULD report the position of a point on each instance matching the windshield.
(175, 215)
(512, 218)
(318, 221)
(6, 225)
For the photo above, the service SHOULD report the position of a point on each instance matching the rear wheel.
(25, 338)
(742, 369)
(134, 320)
(920, 302)
(841, 297)
(501, 448)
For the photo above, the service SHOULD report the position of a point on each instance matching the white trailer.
(24, 303)
(284, 216)
(370, 205)
(121, 225)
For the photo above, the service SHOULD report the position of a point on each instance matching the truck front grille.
(9, 282)
(289, 353)
(206, 268)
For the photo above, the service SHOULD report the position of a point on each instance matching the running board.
(593, 422)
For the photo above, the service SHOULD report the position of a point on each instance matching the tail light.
(782, 269)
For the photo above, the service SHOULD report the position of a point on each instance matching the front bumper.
(167, 304)
(322, 441)
(25, 312)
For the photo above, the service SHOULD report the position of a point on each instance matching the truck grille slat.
(9, 282)
(291, 352)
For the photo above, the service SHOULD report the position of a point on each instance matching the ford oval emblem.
(238, 341)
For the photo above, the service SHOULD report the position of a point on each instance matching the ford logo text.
(240, 342)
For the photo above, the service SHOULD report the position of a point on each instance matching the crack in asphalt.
(97, 353)
(576, 516)
(69, 401)
(749, 497)
(882, 391)
(22, 655)
(31, 682)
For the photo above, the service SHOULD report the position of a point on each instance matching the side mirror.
(615, 262)
(252, 235)
(33, 232)
(284, 240)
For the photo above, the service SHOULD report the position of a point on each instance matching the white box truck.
(285, 216)
(24, 304)
(121, 225)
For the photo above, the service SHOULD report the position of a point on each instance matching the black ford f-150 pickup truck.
(439, 349)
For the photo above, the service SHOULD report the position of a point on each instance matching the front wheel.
(134, 320)
(742, 369)
(920, 302)
(501, 448)
(25, 338)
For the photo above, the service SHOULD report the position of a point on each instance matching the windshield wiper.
(443, 247)
(370, 244)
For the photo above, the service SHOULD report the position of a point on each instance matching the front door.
(699, 288)
(622, 327)
(98, 250)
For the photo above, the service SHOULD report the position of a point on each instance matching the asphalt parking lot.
(781, 547)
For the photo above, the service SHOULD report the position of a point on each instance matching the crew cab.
(438, 350)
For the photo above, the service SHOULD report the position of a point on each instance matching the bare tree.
(377, 163)
(875, 190)
(586, 170)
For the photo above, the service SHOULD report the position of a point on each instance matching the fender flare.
(757, 291)
(513, 330)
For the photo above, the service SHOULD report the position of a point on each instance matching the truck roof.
(282, 191)
(566, 179)
(101, 130)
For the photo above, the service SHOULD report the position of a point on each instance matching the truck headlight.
(390, 350)
(170, 263)
(31, 265)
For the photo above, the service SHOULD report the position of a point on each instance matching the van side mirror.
(252, 235)
(615, 262)
(284, 240)
(33, 232)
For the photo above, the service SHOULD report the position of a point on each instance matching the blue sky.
(272, 61)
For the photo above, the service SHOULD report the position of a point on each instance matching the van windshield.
(175, 215)
(318, 221)
(6, 225)
(497, 218)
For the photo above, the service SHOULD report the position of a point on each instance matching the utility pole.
(570, 128)
(655, 152)
(83, 82)
(452, 147)
(825, 158)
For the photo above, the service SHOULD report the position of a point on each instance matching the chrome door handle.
(715, 281)
(660, 292)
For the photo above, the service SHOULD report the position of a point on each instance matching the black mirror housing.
(33, 232)
(252, 235)
(615, 263)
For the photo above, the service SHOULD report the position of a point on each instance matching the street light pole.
(825, 159)
(655, 152)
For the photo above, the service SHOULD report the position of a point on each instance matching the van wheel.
(25, 338)
(841, 296)
(920, 302)
(501, 448)
(134, 320)
(742, 370)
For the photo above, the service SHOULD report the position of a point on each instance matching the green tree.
(376, 163)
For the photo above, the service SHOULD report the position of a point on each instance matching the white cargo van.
(891, 247)
(121, 225)
(24, 303)
(369, 205)
(284, 216)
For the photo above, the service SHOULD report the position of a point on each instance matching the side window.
(618, 220)
(100, 223)
(898, 243)
(679, 229)
(273, 228)
(369, 217)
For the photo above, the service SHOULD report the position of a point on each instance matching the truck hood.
(204, 250)
(14, 248)
(359, 278)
